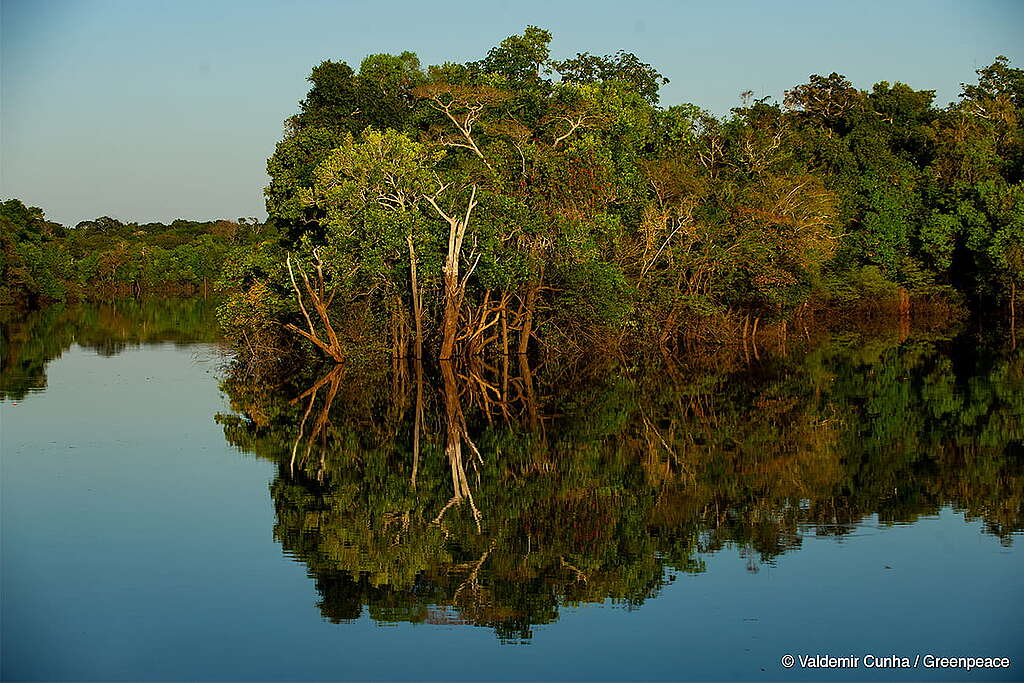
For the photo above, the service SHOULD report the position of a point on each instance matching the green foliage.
(925, 193)
(599, 215)
(518, 58)
(555, 200)
(290, 168)
(623, 67)
(43, 262)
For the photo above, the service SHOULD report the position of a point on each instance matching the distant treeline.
(497, 205)
(43, 262)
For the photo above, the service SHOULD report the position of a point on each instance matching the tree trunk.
(526, 329)
(401, 328)
(417, 308)
(504, 324)
(753, 338)
(504, 348)
(454, 288)
(394, 337)
(529, 396)
(904, 302)
(452, 305)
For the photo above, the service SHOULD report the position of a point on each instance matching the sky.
(149, 111)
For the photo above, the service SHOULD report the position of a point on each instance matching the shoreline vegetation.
(31, 340)
(525, 205)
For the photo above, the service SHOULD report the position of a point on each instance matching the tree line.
(523, 202)
(519, 201)
(43, 262)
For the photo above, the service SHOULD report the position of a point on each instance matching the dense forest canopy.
(516, 199)
(521, 202)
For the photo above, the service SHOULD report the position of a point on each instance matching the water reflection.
(496, 495)
(31, 339)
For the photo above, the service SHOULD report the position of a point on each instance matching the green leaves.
(385, 169)
(664, 216)
(519, 57)
(622, 67)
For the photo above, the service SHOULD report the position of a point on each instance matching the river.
(166, 515)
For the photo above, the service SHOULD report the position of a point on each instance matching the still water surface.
(167, 517)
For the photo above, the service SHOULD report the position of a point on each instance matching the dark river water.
(167, 515)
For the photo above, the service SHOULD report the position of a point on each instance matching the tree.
(380, 180)
(331, 102)
(519, 57)
(623, 67)
(825, 101)
(384, 88)
(463, 106)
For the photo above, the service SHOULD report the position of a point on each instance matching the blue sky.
(148, 110)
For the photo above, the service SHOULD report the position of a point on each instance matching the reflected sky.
(140, 543)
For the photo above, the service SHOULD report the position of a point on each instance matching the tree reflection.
(30, 340)
(496, 494)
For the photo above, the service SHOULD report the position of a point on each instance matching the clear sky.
(147, 110)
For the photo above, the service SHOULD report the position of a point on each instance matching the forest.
(43, 262)
(520, 202)
(516, 336)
